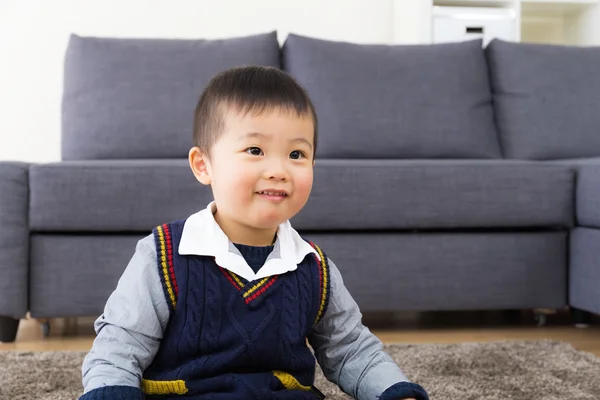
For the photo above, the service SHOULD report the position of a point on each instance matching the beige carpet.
(484, 371)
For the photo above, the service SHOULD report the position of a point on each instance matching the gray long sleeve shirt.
(130, 330)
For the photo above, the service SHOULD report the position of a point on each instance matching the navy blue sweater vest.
(232, 339)
(255, 256)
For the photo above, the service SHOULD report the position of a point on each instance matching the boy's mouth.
(273, 192)
(273, 195)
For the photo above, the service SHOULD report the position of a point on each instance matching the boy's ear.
(200, 165)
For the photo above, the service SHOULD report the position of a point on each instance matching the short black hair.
(248, 89)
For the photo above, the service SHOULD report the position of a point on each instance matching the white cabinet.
(571, 22)
(451, 24)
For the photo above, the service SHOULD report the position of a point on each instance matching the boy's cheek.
(304, 181)
(303, 191)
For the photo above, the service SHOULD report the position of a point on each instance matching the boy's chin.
(269, 220)
(268, 224)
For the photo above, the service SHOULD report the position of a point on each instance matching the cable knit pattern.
(194, 310)
(212, 311)
(306, 299)
(289, 326)
(227, 336)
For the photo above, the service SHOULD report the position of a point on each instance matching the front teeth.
(272, 193)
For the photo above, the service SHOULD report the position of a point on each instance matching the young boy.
(220, 305)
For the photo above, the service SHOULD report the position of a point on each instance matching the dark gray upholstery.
(546, 99)
(125, 196)
(438, 194)
(588, 197)
(113, 196)
(14, 239)
(584, 273)
(576, 162)
(406, 271)
(135, 98)
(451, 271)
(376, 101)
(73, 275)
(588, 190)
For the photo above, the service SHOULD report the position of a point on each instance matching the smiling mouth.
(273, 193)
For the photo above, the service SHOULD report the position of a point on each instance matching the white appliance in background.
(455, 24)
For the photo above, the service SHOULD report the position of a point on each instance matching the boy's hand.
(399, 390)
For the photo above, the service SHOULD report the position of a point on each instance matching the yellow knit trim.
(164, 387)
(235, 277)
(289, 382)
(325, 278)
(163, 257)
(255, 287)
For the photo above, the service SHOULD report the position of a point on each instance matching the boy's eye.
(296, 155)
(255, 151)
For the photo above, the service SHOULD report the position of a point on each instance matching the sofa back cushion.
(547, 99)
(398, 101)
(135, 98)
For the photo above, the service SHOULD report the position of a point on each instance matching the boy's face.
(260, 169)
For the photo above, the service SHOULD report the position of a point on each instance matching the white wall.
(34, 34)
(584, 27)
(412, 21)
(543, 29)
(562, 24)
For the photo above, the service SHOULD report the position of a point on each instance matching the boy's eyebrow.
(261, 135)
(302, 140)
(252, 135)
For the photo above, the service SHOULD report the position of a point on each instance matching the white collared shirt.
(202, 236)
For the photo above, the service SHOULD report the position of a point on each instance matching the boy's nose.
(279, 175)
(277, 171)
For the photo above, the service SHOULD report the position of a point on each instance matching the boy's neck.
(241, 234)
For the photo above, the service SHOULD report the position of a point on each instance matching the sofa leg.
(45, 325)
(540, 319)
(581, 318)
(8, 329)
(540, 315)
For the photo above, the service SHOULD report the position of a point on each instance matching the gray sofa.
(448, 177)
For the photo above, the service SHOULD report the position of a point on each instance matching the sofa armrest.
(14, 238)
(588, 196)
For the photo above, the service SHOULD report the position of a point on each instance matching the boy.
(219, 306)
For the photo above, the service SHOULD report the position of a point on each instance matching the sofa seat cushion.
(438, 194)
(399, 101)
(135, 195)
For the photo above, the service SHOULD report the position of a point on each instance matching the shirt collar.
(202, 236)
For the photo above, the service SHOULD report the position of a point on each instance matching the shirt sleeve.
(132, 325)
(349, 354)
